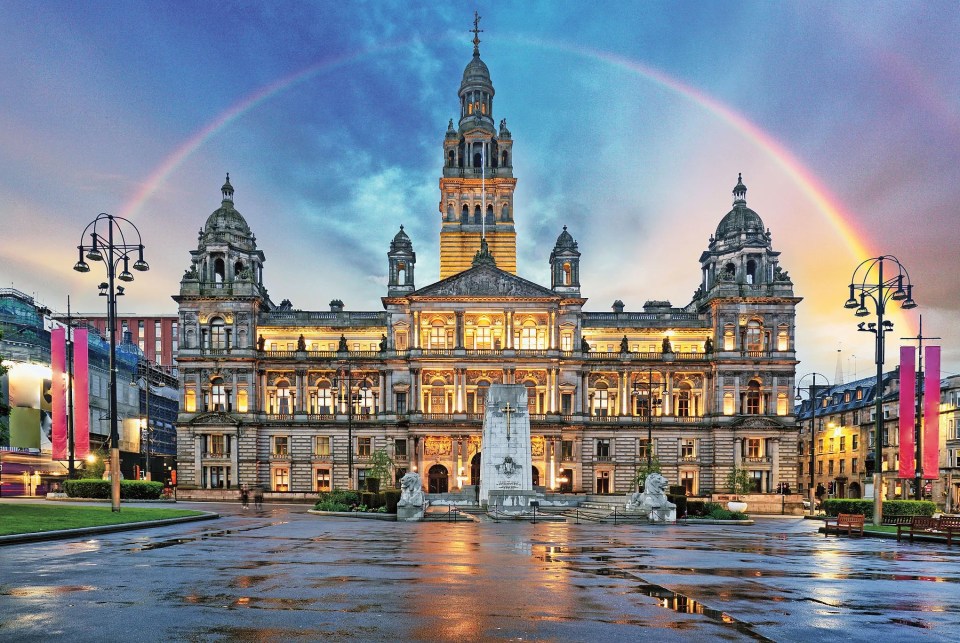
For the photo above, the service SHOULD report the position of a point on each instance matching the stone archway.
(437, 479)
(535, 476)
(854, 491)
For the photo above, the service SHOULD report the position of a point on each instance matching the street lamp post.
(104, 248)
(812, 396)
(869, 284)
(647, 390)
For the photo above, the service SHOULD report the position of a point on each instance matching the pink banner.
(81, 394)
(908, 411)
(931, 413)
(58, 390)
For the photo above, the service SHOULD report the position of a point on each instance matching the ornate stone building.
(298, 400)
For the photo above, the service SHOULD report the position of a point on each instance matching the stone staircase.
(607, 509)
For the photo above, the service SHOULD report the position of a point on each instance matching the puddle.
(204, 536)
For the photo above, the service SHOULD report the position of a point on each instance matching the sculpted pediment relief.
(215, 419)
(485, 281)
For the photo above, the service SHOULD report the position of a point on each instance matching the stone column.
(553, 331)
(235, 461)
(737, 452)
(667, 405)
(415, 330)
(775, 462)
(197, 456)
(458, 329)
(508, 330)
(415, 390)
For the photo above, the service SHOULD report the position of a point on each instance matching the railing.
(321, 417)
(603, 458)
(286, 317)
(760, 460)
(216, 455)
(286, 417)
(667, 315)
(690, 458)
(757, 353)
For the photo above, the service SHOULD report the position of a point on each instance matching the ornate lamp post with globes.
(103, 246)
(868, 284)
(812, 396)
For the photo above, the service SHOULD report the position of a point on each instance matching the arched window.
(438, 335)
(365, 399)
(324, 399)
(505, 213)
(600, 400)
(438, 396)
(218, 333)
(451, 158)
(683, 397)
(190, 401)
(754, 337)
(218, 395)
(535, 473)
(505, 160)
(531, 387)
(728, 403)
(482, 334)
(728, 338)
(783, 338)
(528, 335)
(483, 388)
(465, 214)
(489, 215)
(567, 274)
(450, 212)
(751, 271)
(242, 404)
(284, 404)
(219, 270)
(754, 398)
(477, 159)
(476, 215)
(237, 269)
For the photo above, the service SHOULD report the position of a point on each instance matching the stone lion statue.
(411, 491)
(653, 497)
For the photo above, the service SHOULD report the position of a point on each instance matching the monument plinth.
(506, 478)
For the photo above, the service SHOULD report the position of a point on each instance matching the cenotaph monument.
(506, 479)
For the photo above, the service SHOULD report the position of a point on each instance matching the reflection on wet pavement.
(286, 575)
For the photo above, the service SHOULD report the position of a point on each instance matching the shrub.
(681, 502)
(694, 508)
(739, 481)
(129, 489)
(337, 500)
(391, 498)
(834, 506)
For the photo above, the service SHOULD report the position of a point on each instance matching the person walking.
(245, 497)
(258, 498)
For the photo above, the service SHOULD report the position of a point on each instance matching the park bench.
(942, 526)
(896, 520)
(844, 522)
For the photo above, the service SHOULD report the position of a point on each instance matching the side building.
(296, 400)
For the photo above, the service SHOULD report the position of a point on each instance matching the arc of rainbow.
(790, 165)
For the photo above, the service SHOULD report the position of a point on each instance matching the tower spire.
(476, 33)
(838, 376)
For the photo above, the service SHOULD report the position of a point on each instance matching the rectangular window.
(361, 478)
(280, 445)
(216, 445)
(322, 480)
(832, 444)
(400, 448)
(281, 479)
(689, 481)
(566, 403)
(140, 335)
(856, 418)
(175, 339)
(364, 447)
(754, 447)
(843, 443)
(644, 449)
(820, 467)
(830, 467)
(843, 466)
(401, 403)
(566, 342)
(854, 442)
(853, 465)
(566, 450)
(820, 445)
(157, 343)
(603, 448)
(321, 446)
(688, 448)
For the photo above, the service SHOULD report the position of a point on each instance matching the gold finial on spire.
(476, 33)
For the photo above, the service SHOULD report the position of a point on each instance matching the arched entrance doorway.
(437, 479)
(854, 489)
(536, 476)
(475, 469)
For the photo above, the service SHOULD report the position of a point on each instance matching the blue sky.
(615, 118)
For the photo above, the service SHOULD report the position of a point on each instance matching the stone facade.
(297, 400)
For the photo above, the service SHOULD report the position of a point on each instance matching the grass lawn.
(25, 519)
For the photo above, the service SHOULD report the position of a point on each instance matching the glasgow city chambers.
(303, 401)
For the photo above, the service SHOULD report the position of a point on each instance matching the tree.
(739, 481)
(642, 472)
(380, 466)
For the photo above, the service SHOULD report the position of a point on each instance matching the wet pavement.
(283, 574)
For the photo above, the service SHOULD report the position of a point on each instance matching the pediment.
(215, 419)
(766, 422)
(485, 282)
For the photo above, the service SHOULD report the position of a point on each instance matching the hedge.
(129, 489)
(834, 506)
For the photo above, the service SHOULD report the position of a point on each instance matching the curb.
(60, 534)
(361, 515)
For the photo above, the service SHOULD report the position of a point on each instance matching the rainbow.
(819, 195)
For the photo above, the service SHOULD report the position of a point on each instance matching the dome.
(226, 218)
(401, 242)
(740, 219)
(476, 74)
(565, 241)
